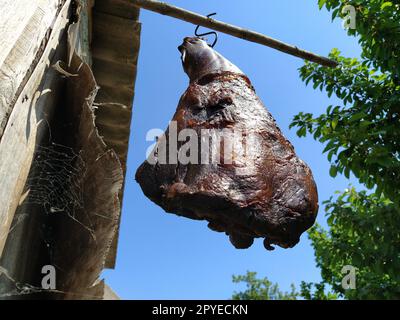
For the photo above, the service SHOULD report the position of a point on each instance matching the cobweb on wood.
(56, 184)
(56, 181)
(20, 289)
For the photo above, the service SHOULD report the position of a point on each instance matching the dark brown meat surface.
(249, 183)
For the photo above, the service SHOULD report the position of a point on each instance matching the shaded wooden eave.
(114, 36)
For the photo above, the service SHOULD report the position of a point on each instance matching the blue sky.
(162, 256)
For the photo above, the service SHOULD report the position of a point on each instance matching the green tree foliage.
(362, 136)
(315, 291)
(363, 233)
(261, 289)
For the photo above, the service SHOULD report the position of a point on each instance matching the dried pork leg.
(223, 159)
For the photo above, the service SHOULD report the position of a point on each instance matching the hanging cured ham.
(223, 159)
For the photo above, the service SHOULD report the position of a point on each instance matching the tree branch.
(197, 19)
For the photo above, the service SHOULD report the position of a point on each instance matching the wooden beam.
(27, 124)
(197, 19)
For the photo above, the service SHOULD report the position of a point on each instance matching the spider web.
(55, 181)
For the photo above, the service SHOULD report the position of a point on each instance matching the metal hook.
(207, 33)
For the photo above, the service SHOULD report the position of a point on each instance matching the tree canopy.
(361, 137)
(261, 289)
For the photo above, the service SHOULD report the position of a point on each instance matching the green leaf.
(386, 4)
(357, 116)
(335, 13)
(347, 172)
(334, 123)
(321, 3)
(333, 171)
(302, 132)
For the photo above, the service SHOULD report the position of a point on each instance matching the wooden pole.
(197, 19)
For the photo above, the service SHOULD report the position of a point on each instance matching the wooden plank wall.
(24, 60)
(25, 29)
(30, 32)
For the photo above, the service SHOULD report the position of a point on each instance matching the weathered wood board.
(27, 121)
(115, 47)
(24, 31)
